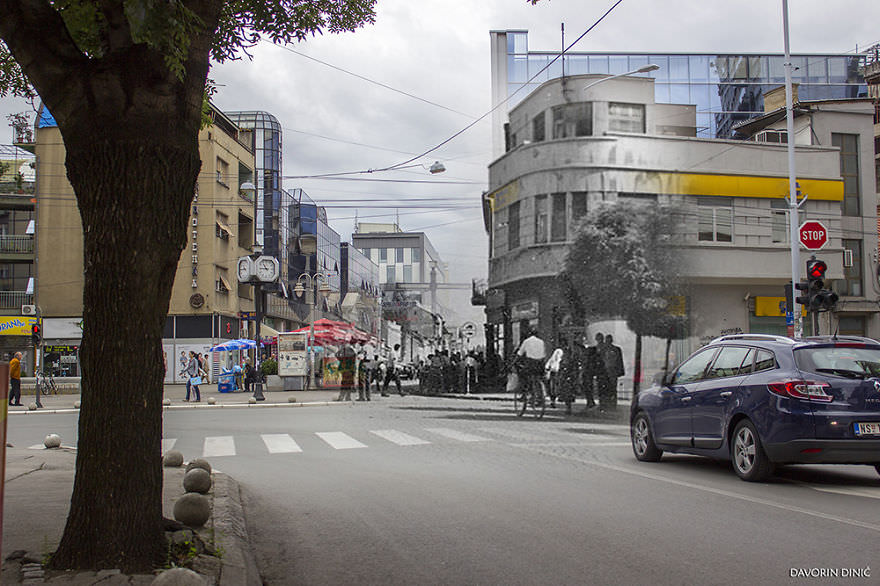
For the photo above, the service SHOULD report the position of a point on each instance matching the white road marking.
(514, 434)
(168, 444)
(339, 440)
(711, 490)
(223, 445)
(872, 493)
(398, 437)
(456, 435)
(280, 443)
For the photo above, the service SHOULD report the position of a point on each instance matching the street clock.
(263, 269)
(246, 269)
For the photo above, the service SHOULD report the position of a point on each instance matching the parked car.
(762, 401)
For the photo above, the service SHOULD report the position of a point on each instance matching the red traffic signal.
(816, 270)
(36, 332)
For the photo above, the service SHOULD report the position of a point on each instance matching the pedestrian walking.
(591, 368)
(346, 357)
(364, 373)
(569, 375)
(611, 363)
(551, 374)
(391, 372)
(15, 380)
(194, 377)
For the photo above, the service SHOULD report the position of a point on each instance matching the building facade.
(725, 88)
(207, 301)
(583, 149)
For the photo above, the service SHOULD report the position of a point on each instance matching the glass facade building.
(726, 88)
(359, 273)
(307, 218)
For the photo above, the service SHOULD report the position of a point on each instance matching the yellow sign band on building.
(746, 186)
(16, 325)
(772, 307)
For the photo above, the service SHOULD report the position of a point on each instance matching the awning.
(267, 331)
(225, 283)
(224, 228)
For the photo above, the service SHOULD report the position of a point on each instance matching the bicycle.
(46, 384)
(528, 397)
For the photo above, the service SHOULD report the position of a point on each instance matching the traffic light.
(825, 300)
(817, 298)
(816, 273)
(36, 333)
(806, 297)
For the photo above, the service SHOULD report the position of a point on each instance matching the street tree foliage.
(623, 264)
(125, 82)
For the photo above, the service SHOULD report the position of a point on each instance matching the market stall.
(229, 379)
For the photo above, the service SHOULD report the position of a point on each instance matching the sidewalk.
(39, 483)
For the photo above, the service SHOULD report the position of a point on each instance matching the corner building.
(580, 149)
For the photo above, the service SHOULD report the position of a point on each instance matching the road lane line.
(711, 490)
(398, 437)
(223, 445)
(872, 493)
(168, 444)
(457, 435)
(280, 443)
(339, 440)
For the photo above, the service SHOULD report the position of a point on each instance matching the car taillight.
(801, 389)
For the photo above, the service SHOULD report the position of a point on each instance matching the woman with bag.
(194, 373)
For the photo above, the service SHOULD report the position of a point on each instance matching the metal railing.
(15, 299)
(16, 244)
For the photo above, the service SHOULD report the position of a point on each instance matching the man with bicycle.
(531, 356)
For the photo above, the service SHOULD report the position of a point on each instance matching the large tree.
(623, 264)
(125, 82)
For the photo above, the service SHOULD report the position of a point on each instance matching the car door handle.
(726, 394)
(686, 398)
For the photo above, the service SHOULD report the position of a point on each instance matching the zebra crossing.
(285, 443)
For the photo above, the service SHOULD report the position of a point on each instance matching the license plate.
(865, 429)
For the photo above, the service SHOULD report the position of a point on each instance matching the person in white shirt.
(531, 354)
(552, 375)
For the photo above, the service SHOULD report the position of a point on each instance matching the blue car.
(762, 401)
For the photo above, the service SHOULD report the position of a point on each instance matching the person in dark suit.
(611, 364)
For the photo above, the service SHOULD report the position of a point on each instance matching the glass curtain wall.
(725, 88)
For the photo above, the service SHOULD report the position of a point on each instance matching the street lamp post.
(645, 69)
(322, 280)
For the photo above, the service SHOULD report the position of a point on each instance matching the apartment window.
(573, 120)
(538, 133)
(715, 219)
(407, 274)
(541, 219)
(222, 226)
(398, 255)
(849, 171)
(416, 255)
(390, 274)
(557, 219)
(222, 172)
(852, 275)
(383, 255)
(626, 117)
(366, 252)
(578, 205)
(513, 226)
(779, 220)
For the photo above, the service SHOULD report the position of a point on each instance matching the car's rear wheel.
(750, 462)
(643, 441)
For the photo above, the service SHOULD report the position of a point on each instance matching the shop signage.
(16, 326)
(59, 349)
(526, 310)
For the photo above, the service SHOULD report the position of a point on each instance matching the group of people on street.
(447, 372)
(576, 369)
(365, 365)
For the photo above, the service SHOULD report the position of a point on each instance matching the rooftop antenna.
(562, 54)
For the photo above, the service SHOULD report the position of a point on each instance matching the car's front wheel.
(643, 441)
(750, 462)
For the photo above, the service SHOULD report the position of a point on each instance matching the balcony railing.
(15, 299)
(16, 244)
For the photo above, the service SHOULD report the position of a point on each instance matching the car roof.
(771, 340)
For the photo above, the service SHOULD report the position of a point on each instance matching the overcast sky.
(438, 50)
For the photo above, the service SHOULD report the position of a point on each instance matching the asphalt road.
(418, 490)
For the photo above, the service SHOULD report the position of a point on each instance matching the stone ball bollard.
(172, 459)
(252, 401)
(77, 404)
(192, 509)
(197, 480)
(199, 463)
(53, 440)
(32, 407)
(179, 577)
(291, 399)
(166, 402)
(212, 401)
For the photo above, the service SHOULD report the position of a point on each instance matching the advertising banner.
(292, 357)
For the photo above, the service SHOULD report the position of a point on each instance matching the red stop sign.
(813, 235)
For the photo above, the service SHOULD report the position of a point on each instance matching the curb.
(238, 566)
(217, 406)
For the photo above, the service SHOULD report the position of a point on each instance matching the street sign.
(813, 235)
(468, 329)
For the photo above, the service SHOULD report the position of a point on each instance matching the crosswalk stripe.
(280, 443)
(223, 445)
(398, 437)
(168, 444)
(339, 440)
(456, 435)
(513, 434)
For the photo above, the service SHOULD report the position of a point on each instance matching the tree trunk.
(134, 187)
(637, 370)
